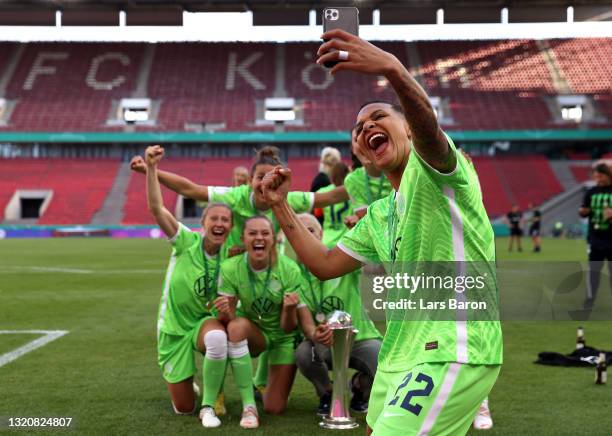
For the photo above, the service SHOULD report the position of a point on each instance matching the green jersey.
(341, 293)
(260, 293)
(240, 199)
(433, 217)
(190, 285)
(363, 190)
(333, 219)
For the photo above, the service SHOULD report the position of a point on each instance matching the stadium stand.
(204, 83)
(581, 63)
(581, 173)
(488, 85)
(70, 86)
(339, 95)
(496, 195)
(79, 186)
(210, 172)
(530, 179)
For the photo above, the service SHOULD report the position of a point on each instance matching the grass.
(104, 373)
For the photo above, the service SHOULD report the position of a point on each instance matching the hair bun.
(268, 151)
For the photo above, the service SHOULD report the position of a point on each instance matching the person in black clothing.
(330, 156)
(597, 208)
(514, 219)
(534, 228)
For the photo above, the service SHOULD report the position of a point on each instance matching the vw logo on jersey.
(262, 305)
(331, 303)
(203, 289)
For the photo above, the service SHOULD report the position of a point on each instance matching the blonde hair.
(330, 156)
(312, 220)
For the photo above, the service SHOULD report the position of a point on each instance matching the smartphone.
(345, 18)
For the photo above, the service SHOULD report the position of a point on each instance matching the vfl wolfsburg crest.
(203, 289)
(262, 305)
(331, 303)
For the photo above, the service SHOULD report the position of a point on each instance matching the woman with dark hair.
(596, 206)
(245, 200)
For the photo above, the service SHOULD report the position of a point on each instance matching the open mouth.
(377, 142)
(218, 231)
(259, 247)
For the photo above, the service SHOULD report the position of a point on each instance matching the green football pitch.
(103, 372)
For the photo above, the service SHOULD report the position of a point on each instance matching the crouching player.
(265, 285)
(313, 355)
(187, 319)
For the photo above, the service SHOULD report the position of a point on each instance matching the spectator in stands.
(514, 219)
(245, 200)
(596, 206)
(266, 284)
(334, 215)
(534, 227)
(189, 321)
(241, 176)
(313, 356)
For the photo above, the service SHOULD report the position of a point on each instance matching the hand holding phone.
(345, 18)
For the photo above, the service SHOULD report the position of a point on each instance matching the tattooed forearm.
(427, 137)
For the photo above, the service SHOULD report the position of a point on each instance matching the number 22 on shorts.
(424, 392)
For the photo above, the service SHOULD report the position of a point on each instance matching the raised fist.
(138, 165)
(153, 154)
(276, 185)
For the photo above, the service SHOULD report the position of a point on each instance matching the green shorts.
(175, 353)
(431, 398)
(281, 349)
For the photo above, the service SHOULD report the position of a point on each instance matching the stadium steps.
(142, 81)
(9, 70)
(564, 174)
(111, 212)
(556, 73)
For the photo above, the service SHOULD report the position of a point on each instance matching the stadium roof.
(296, 12)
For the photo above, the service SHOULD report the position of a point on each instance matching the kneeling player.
(187, 321)
(265, 285)
(313, 355)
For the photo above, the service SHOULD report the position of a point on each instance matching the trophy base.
(338, 423)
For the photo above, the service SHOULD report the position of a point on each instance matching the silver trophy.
(339, 417)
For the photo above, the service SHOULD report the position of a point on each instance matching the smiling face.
(217, 224)
(258, 238)
(383, 136)
(256, 178)
(357, 151)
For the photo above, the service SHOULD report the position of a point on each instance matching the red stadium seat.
(79, 186)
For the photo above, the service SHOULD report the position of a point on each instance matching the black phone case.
(345, 18)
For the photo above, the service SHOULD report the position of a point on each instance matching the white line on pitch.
(49, 335)
(44, 269)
